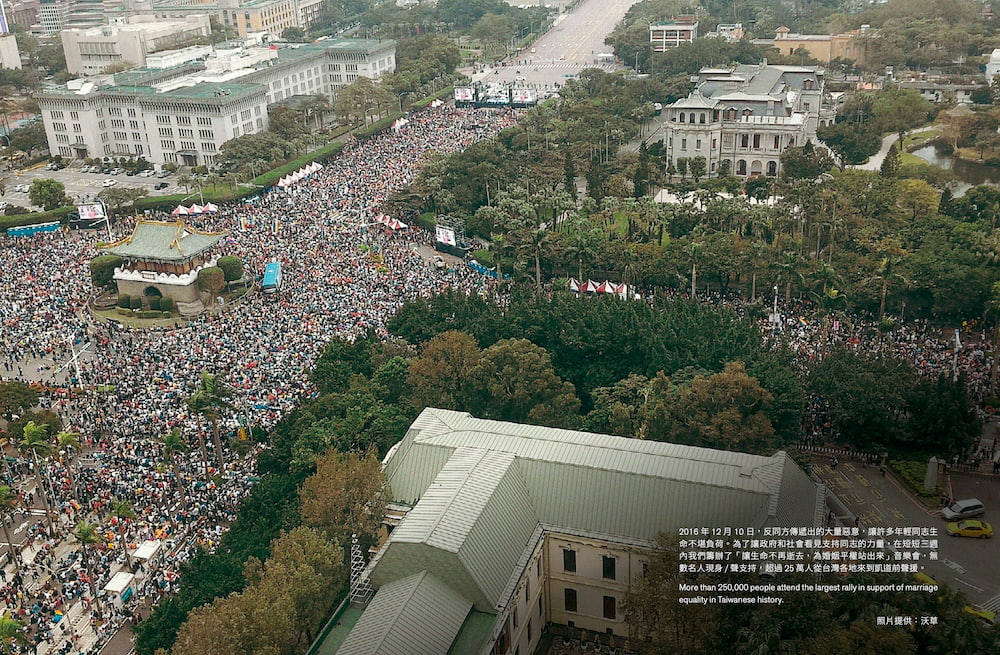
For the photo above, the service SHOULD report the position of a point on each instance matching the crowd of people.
(344, 274)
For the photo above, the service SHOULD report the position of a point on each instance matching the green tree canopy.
(102, 270)
(48, 194)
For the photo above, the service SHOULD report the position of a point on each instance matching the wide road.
(574, 43)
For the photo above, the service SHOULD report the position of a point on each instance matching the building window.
(777, 141)
(181, 132)
(682, 117)
(183, 120)
(744, 140)
(136, 136)
(772, 168)
(527, 592)
(62, 138)
(610, 608)
(684, 144)
(59, 127)
(513, 619)
(206, 134)
(539, 606)
(134, 125)
(697, 144)
(609, 567)
(569, 599)
(208, 146)
(131, 112)
(117, 122)
(645, 564)
(167, 145)
(187, 145)
(162, 120)
(529, 631)
(204, 120)
(756, 141)
(74, 115)
(569, 561)
(701, 117)
(164, 131)
(57, 115)
(538, 567)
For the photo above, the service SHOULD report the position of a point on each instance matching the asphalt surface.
(575, 42)
(881, 501)
(83, 187)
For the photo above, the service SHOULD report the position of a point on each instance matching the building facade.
(10, 56)
(671, 33)
(514, 528)
(184, 114)
(186, 125)
(740, 120)
(822, 47)
(90, 51)
(245, 16)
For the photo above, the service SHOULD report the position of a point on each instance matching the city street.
(967, 564)
(575, 42)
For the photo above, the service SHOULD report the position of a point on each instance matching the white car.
(109, 182)
(147, 173)
(21, 188)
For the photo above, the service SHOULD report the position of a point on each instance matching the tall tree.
(8, 501)
(88, 535)
(172, 444)
(346, 496)
(35, 442)
(68, 444)
(11, 632)
(122, 511)
(211, 398)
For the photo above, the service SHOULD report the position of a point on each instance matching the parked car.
(21, 188)
(130, 173)
(117, 171)
(161, 185)
(149, 172)
(963, 509)
(970, 528)
(109, 182)
(163, 173)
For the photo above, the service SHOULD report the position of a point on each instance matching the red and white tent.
(606, 287)
(210, 208)
(573, 284)
(196, 209)
(589, 287)
(180, 210)
(396, 224)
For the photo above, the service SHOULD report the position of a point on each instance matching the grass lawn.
(918, 137)
(906, 158)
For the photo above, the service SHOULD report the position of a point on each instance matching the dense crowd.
(343, 275)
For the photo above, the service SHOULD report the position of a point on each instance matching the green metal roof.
(417, 614)
(161, 241)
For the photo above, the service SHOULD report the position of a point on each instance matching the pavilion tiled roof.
(173, 241)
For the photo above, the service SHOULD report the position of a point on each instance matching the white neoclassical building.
(741, 119)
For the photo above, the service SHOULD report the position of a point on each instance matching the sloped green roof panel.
(163, 241)
(417, 614)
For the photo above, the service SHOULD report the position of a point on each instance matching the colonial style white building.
(185, 113)
(741, 119)
(508, 528)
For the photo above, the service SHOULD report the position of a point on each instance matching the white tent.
(196, 209)
(148, 549)
(210, 208)
(180, 210)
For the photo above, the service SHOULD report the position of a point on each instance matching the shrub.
(167, 304)
(135, 302)
(124, 311)
(427, 221)
(102, 269)
(211, 280)
(912, 473)
(154, 302)
(124, 300)
(232, 267)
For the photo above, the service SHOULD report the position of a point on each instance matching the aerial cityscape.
(481, 327)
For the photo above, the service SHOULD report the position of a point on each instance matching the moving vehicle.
(161, 185)
(970, 528)
(272, 278)
(963, 509)
(109, 182)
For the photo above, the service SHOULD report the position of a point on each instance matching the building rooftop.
(163, 241)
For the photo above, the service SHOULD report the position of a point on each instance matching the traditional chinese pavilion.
(163, 259)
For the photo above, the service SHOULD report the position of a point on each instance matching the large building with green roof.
(184, 113)
(509, 528)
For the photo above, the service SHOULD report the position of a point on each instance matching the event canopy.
(180, 210)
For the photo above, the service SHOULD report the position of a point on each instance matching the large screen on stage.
(522, 96)
(90, 212)
(464, 94)
(445, 235)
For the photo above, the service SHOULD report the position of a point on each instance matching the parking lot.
(82, 186)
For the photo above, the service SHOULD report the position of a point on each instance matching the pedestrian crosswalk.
(993, 604)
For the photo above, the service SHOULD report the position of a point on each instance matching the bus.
(272, 278)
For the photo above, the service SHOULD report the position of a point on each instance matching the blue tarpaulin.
(31, 230)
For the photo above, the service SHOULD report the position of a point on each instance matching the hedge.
(124, 300)
(167, 304)
(912, 473)
(154, 303)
